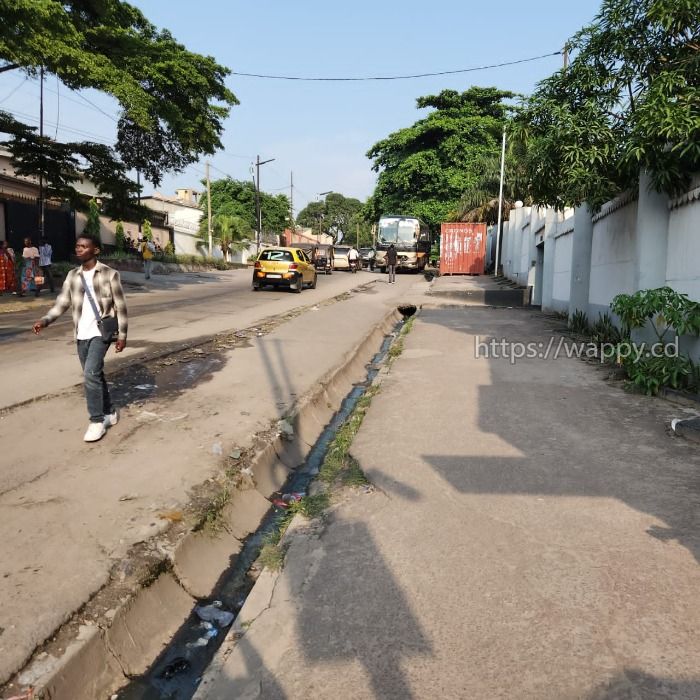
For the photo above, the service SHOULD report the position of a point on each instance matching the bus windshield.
(399, 231)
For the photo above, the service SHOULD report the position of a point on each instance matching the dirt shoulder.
(72, 511)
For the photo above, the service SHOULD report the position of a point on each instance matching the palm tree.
(480, 202)
(232, 233)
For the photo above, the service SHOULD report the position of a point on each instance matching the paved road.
(171, 309)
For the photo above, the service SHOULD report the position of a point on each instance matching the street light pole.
(320, 217)
(209, 235)
(258, 208)
(41, 138)
(500, 204)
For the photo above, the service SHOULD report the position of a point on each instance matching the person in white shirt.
(104, 285)
(353, 257)
(45, 254)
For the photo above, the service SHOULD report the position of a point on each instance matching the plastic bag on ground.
(210, 613)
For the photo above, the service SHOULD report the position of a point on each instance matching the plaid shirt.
(109, 297)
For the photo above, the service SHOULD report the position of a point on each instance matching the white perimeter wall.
(561, 276)
(683, 257)
(612, 256)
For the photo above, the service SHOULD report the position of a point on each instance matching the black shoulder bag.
(109, 325)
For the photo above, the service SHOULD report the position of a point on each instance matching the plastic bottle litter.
(217, 448)
(201, 642)
(212, 613)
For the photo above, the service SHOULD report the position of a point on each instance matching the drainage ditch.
(177, 672)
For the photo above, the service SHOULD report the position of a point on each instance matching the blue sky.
(321, 131)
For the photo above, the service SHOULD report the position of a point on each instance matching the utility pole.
(138, 194)
(565, 54)
(209, 210)
(500, 205)
(291, 201)
(358, 234)
(258, 208)
(41, 139)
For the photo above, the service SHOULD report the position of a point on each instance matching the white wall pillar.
(652, 236)
(550, 228)
(581, 259)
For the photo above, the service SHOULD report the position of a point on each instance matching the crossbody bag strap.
(92, 301)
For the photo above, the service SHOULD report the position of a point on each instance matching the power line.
(85, 99)
(14, 90)
(79, 132)
(398, 77)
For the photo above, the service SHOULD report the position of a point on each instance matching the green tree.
(629, 101)
(147, 230)
(337, 216)
(425, 168)
(237, 198)
(92, 225)
(479, 202)
(173, 101)
(232, 233)
(120, 236)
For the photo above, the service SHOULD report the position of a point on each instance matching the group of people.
(30, 273)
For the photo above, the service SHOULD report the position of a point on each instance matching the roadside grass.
(211, 516)
(339, 468)
(397, 346)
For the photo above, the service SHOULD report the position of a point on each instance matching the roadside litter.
(217, 448)
(285, 499)
(179, 665)
(209, 634)
(214, 613)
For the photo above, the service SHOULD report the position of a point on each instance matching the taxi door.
(306, 267)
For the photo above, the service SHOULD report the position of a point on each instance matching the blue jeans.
(392, 272)
(147, 265)
(92, 359)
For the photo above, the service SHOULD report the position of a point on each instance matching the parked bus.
(411, 238)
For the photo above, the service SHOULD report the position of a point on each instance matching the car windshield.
(276, 255)
(365, 251)
(342, 251)
(398, 230)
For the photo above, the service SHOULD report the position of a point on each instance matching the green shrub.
(604, 331)
(578, 323)
(664, 311)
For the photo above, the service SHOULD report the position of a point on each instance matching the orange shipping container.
(462, 249)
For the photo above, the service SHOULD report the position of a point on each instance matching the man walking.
(391, 259)
(45, 254)
(103, 285)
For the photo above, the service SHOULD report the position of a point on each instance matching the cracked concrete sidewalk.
(534, 534)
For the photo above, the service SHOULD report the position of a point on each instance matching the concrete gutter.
(100, 660)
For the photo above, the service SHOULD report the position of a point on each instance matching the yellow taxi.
(284, 267)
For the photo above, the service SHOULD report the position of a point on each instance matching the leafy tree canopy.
(424, 169)
(629, 100)
(338, 216)
(173, 102)
(236, 198)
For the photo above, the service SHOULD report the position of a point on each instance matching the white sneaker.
(111, 419)
(94, 432)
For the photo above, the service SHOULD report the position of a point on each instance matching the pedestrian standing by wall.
(391, 259)
(45, 255)
(147, 250)
(103, 285)
(8, 278)
(30, 269)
